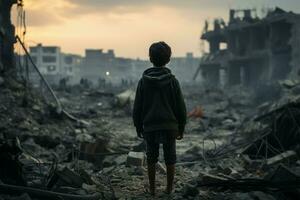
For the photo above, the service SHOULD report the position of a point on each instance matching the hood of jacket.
(157, 76)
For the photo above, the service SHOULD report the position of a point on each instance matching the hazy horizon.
(129, 26)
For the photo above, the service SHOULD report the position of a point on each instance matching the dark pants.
(154, 139)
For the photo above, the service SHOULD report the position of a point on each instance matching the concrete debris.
(125, 98)
(161, 168)
(209, 178)
(65, 177)
(87, 159)
(288, 83)
(84, 138)
(135, 159)
(288, 156)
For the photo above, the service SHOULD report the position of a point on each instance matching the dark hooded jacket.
(159, 104)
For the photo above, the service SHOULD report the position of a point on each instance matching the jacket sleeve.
(137, 109)
(180, 109)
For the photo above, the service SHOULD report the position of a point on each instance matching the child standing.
(159, 113)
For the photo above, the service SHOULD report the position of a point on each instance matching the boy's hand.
(179, 136)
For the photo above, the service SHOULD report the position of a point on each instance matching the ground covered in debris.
(238, 144)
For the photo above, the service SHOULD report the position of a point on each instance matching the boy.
(159, 113)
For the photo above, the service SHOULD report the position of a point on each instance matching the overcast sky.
(130, 26)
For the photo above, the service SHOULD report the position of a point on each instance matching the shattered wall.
(259, 50)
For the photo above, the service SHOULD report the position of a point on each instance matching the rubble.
(125, 98)
(288, 156)
(135, 159)
(240, 142)
(210, 156)
(65, 177)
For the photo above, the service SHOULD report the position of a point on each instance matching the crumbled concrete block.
(84, 138)
(78, 131)
(283, 157)
(89, 188)
(161, 168)
(108, 170)
(135, 158)
(120, 160)
(65, 177)
(209, 178)
(251, 164)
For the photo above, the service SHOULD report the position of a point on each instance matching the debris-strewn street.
(237, 149)
(66, 128)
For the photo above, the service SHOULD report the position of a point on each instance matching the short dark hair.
(160, 54)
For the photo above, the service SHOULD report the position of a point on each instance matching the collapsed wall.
(258, 50)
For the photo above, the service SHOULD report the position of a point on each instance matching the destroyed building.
(249, 50)
(98, 64)
(54, 64)
(106, 65)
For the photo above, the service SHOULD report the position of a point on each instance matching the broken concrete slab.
(209, 178)
(290, 156)
(125, 98)
(288, 83)
(89, 188)
(84, 138)
(161, 168)
(92, 151)
(65, 177)
(251, 164)
(135, 158)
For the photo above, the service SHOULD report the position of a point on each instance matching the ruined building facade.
(249, 50)
(54, 64)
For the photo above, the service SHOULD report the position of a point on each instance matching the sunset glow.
(126, 26)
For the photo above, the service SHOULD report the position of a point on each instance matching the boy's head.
(160, 54)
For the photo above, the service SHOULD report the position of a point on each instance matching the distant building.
(54, 64)
(139, 66)
(249, 50)
(47, 58)
(98, 64)
(70, 66)
(95, 64)
(184, 67)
